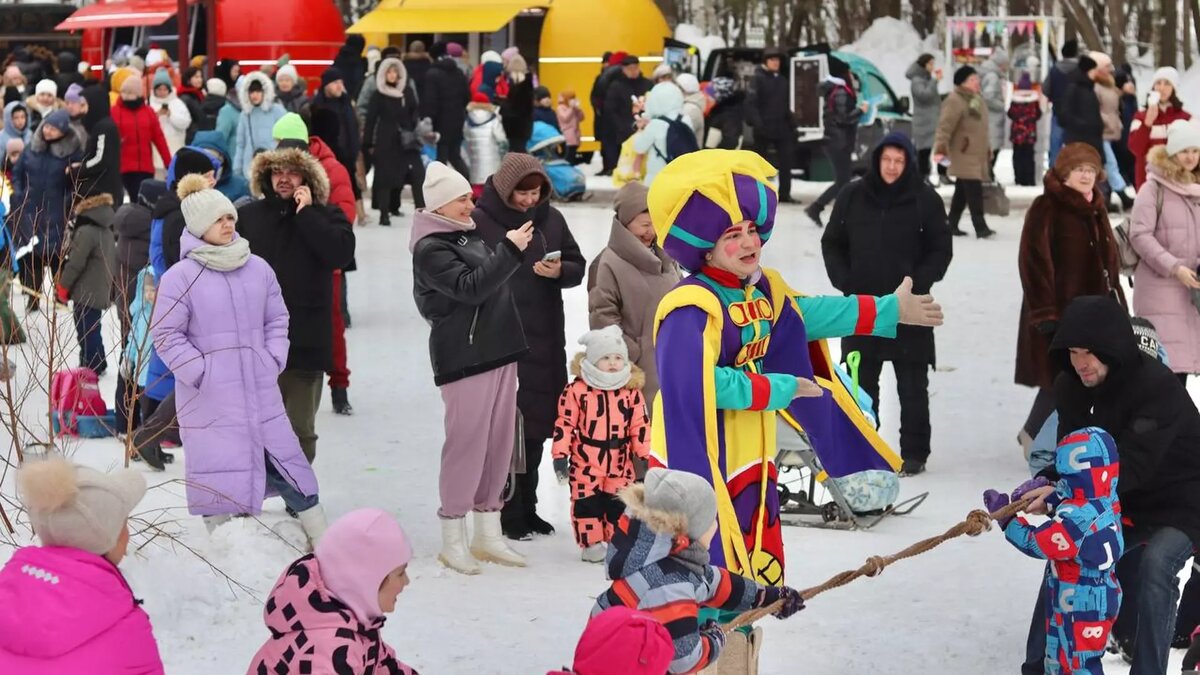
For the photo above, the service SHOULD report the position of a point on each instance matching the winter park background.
(962, 608)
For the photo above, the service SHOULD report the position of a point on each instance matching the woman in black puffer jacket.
(461, 287)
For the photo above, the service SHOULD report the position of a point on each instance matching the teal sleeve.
(831, 316)
(736, 390)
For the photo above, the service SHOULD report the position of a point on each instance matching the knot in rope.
(978, 522)
(874, 566)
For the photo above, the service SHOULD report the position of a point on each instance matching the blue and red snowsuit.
(1083, 543)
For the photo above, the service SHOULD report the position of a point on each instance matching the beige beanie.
(201, 205)
(75, 506)
(443, 185)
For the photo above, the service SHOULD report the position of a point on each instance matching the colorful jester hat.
(701, 194)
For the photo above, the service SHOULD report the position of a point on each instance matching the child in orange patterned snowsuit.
(602, 424)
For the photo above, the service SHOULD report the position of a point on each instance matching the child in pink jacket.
(64, 606)
(328, 607)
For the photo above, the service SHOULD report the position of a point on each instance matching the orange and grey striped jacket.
(658, 570)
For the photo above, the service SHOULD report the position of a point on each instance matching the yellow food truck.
(562, 40)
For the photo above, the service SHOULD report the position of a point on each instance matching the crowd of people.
(219, 213)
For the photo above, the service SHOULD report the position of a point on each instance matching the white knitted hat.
(46, 87)
(604, 342)
(216, 87)
(1181, 135)
(287, 70)
(1167, 73)
(443, 185)
(201, 205)
(76, 506)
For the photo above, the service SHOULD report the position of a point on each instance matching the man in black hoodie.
(885, 227)
(1078, 108)
(100, 170)
(1108, 382)
(769, 112)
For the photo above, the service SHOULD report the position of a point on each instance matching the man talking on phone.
(304, 239)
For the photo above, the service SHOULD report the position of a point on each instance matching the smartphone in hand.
(552, 256)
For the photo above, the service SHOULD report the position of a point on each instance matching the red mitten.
(62, 294)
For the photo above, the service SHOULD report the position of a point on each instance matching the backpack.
(1128, 256)
(75, 393)
(680, 139)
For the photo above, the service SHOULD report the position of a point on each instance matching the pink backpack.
(75, 393)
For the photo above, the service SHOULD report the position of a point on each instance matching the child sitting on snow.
(659, 564)
(1083, 542)
(64, 605)
(326, 611)
(602, 425)
(621, 641)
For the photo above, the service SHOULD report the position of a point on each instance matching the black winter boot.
(152, 455)
(538, 526)
(341, 403)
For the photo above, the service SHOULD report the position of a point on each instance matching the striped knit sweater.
(649, 575)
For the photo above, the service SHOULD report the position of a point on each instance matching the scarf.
(225, 258)
(599, 379)
(695, 557)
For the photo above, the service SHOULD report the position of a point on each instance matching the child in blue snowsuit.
(1083, 542)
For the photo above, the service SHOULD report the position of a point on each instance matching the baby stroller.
(569, 182)
(855, 501)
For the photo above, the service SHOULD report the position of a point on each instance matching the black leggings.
(968, 195)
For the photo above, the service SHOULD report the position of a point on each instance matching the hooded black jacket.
(444, 99)
(101, 169)
(879, 234)
(1078, 111)
(1145, 408)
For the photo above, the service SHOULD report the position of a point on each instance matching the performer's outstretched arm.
(830, 316)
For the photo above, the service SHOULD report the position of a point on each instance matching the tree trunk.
(882, 8)
(670, 11)
(1187, 35)
(1086, 27)
(1168, 44)
(1116, 31)
(1194, 13)
(924, 17)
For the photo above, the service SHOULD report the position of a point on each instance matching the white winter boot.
(314, 523)
(454, 547)
(594, 553)
(489, 543)
(213, 522)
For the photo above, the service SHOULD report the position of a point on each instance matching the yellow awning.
(445, 16)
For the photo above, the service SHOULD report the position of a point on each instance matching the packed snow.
(964, 607)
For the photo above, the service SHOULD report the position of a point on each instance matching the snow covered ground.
(962, 608)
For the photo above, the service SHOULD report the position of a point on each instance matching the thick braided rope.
(976, 523)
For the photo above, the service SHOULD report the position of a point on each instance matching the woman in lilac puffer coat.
(221, 326)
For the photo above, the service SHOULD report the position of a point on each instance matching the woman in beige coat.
(962, 139)
(629, 278)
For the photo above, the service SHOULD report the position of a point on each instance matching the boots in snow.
(538, 526)
(1126, 200)
(314, 523)
(814, 214)
(153, 456)
(489, 544)
(213, 522)
(454, 547)
(341, 402)
(594, 553)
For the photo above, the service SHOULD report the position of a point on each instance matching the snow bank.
(893, 46)
(694, 35)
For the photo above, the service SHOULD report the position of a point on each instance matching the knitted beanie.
(287, 71)
(133, 87)
(162, 79)
(700, 195)
(332, 74)
(74, 94)
(684, 493)
(604, 342)
(622, 641)
(216, 87)
(1167, 73)
(455, 50)
(188, 161)
(514, 168)
(46, 87)
(76, 506)
(630, 201)
(201, 205)
(59, 119)
(290, 127)
(963, 74)
(443, 185)
(1147, 336)
(1181, 135)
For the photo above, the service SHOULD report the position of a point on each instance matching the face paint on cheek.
(730, 248)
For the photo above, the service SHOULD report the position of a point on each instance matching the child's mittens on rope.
(716, 636)
(562, 466)
(1029, 486)
(792, 602)
(994, 501)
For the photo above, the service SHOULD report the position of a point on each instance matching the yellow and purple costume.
(729, 351)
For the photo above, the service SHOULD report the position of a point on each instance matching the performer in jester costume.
(736, 347)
